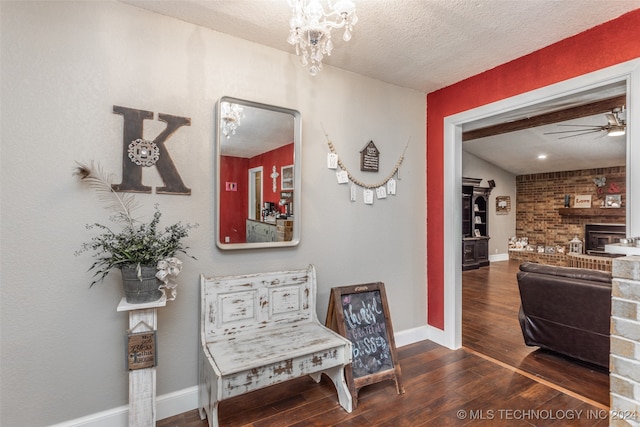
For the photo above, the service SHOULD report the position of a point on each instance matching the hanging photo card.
(343, 177)
(391, 186)
(368, 196)
(332, 161)
(381, 192)
(353, 191)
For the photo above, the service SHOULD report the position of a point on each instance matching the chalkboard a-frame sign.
(361, 314)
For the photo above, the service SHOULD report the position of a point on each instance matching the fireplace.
(598, 235)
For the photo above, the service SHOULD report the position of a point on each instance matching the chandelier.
(230, 116)
(311, 29)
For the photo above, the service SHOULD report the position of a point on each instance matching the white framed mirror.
(258, 183)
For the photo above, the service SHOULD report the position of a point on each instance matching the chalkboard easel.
(361, 314)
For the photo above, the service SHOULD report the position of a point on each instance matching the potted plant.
(143, 251)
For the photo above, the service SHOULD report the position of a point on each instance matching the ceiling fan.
(616, 125)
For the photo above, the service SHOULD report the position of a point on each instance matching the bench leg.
(204, 391)
(208, 393)
(213, 414)
(210, 411)
(204, 386)
(344, 395)
(317, 376)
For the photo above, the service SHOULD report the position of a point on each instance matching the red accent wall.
(608, 44)
(279, 157)
(233, 216)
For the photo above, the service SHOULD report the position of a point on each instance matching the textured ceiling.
(517, 152)
(419, 44)
(429, 44)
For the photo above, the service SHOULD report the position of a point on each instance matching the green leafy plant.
(136, 243)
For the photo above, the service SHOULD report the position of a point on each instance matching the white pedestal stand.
(142, 382)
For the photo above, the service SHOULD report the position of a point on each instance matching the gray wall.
(63, 67)
(501, 227)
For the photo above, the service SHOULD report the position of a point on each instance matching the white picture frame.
(582, 201)
(286, 177)
(613, 201)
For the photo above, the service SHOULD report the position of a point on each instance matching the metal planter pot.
(138, 290)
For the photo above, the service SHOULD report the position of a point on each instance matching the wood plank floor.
(490, 304)
(495, 380)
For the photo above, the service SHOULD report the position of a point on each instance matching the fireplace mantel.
(593, 212)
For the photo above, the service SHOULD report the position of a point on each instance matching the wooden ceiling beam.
(598, 107)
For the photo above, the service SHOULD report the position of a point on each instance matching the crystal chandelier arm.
(335, 24)
(342, 18)
(310, 30)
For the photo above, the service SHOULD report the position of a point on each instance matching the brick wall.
(539, 196)
(625, 342)
(549, 259)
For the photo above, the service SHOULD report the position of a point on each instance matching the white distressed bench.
(262, 329)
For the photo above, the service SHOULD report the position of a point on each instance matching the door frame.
(629, 72)
(252, 190)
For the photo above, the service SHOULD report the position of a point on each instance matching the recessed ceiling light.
(542, 156)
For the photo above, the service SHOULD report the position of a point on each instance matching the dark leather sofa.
(566, 310)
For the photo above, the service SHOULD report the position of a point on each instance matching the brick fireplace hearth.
(540, 215)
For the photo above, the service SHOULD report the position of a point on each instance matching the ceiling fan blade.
(585, 126)
(583, 133)
(593, 129)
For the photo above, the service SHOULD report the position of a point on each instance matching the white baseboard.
(410, 336)
(167, 405)
(185, 400)
(499, 257)
(422, 333)
(178, 402)
(438, 336)
(116, 417)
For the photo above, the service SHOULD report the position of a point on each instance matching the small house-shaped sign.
(369, 158)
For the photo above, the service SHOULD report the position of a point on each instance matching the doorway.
(628, 72)
(255, 193)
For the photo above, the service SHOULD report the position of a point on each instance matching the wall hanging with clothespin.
(369, 162)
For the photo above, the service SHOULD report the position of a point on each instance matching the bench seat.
(261, 329)
(287, 342)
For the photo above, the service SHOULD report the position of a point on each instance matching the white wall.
(64, 66)
(501, 227)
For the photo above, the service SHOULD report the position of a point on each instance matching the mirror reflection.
(258, 175)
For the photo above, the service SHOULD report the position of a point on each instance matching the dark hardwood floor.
(495, 380)
(490, 304)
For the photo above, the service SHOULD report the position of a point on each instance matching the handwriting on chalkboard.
(361, 314)
(367, 331)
